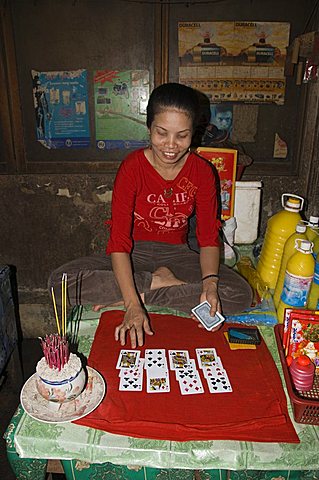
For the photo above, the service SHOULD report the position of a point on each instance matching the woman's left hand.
(210, 294)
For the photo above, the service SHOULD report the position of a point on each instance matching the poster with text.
(234, 61)
(61, 108)
(120, 99)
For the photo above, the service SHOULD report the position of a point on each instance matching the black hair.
(223, 107)
(173, 95)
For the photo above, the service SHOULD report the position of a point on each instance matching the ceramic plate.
(49, 412)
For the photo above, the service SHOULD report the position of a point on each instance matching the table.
(89, 453)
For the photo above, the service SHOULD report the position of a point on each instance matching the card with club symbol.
(155, 357)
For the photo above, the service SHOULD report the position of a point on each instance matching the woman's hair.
(173, 95)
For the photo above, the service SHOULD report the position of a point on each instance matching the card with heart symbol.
(219, 382)
(190, 384)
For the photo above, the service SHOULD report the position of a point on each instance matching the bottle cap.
(301, 228)
(313, 221)
(293, 204)
(306, 246)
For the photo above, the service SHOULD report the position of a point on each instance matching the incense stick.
(64, 287)
(55, 311)
(62, 304)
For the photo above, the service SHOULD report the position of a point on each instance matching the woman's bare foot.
(164, 277)
(97, 308)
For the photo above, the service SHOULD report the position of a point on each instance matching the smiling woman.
(148, 261)
(170, 137)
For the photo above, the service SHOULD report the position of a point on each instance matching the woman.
(155, 192)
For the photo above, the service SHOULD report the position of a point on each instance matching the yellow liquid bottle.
(279, 228)
(313, 297)
(312, 228)
(289, 249)
(246, 268)
(316, 246)
(298, 277)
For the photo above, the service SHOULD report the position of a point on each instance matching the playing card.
(209, 370)
(134, 371)
(188, 369)
(130, 384)
(178, 358)
(219, 383)
(155, 357)
(202, 313)
(157, 380)
(128, 358)
(191, 384)
(206, 356)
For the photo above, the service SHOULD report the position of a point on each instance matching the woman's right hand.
(136, 322)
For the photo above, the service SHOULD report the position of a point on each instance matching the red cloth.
(256, 410)
(139, 188)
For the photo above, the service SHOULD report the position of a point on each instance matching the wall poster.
(234, 61)
(61, 108)
(120, 99)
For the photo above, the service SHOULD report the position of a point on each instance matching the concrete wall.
(48, 220)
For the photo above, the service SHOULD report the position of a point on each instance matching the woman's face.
(170, 135)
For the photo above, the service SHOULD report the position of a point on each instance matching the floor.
(10, 385)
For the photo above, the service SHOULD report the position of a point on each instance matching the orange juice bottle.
(279, 228)
(298, 277)
(315, 246)
(289, 249)
(312, 228)
(313, 297)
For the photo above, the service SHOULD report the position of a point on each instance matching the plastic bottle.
(313, 297)
(312, 228)
(298, 277)
(289, 249)
(315, 249)
(279, 227)
(302, 372)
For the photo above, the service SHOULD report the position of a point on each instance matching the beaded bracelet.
(212, 275)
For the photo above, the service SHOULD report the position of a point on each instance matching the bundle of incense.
(55, 350)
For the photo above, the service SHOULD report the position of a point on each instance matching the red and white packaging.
(303, 336)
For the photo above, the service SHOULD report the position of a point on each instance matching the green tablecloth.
(35, 440)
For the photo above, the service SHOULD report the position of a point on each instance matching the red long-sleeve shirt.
(147, 207)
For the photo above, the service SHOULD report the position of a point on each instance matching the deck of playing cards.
(132, 366)
(202, 313)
